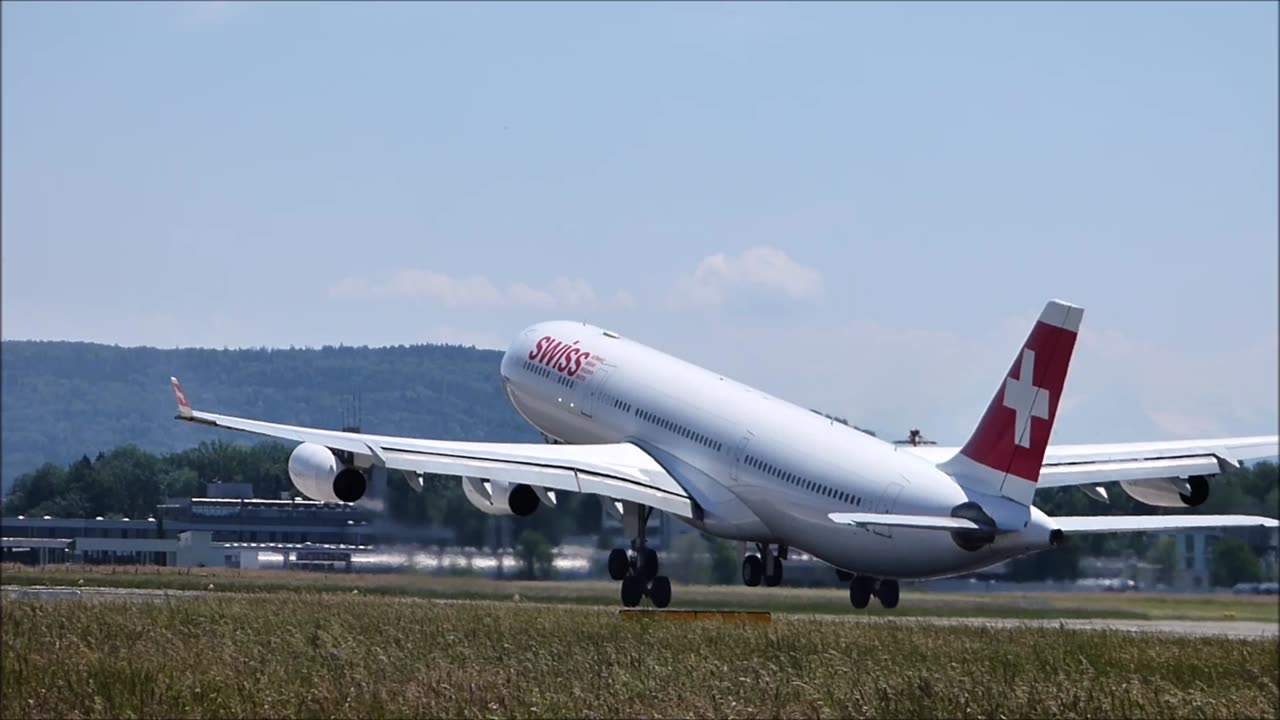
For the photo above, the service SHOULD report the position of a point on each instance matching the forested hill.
(62, 400)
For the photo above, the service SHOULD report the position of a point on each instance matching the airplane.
(646, 431)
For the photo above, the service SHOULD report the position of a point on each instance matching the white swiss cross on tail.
(1006, 450)
(1025, 399)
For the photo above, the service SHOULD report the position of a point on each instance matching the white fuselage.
(762, 469)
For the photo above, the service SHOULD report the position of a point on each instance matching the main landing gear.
(766, 566)
(862, 587)
(638, 568)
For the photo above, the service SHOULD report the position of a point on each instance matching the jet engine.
(1168, 492)
(973, 540)
(316, 473)
(498, 497)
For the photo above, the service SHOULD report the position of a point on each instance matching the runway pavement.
(1192, 628)
(1243, 629)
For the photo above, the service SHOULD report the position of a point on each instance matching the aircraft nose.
(518, 350)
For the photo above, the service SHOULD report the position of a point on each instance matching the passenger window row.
(678, 429)
(543, 371)
(623, 406)
(802, 482)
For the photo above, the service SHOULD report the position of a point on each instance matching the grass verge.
(322, 655)
(1135, 606)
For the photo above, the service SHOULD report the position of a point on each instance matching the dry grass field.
(327, 655)
(1136, 606)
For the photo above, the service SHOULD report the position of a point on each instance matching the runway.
(1240, 629)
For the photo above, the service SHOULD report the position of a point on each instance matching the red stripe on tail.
(1014, 432)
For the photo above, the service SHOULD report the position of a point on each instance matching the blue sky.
(860, 207)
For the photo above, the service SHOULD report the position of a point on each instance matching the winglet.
(184, 408)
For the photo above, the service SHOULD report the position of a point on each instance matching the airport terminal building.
(228, 529)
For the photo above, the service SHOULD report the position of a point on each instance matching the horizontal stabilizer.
(919, 522)
(1155, 523)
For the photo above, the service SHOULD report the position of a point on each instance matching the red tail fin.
(1006, 450)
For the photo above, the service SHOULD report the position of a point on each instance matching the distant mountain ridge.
(60, 400)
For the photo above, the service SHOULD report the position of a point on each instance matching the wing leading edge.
(1070, 525)
(621, 471)
(1112, 462)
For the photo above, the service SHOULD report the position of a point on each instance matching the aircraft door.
(590, 403)
(739, 454)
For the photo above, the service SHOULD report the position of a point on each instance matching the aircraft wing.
(1111, 462)
(1069, 525)
(1155, 523)
(620, 471)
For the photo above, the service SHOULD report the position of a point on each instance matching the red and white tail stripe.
(184, 409)
(1006, 450)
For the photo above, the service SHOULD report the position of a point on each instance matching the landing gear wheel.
(860, 590)
(632, 590)
(752, 570)
(660, 591)
(888, 594)
(648, 563)
(774, 579)
(619, 563)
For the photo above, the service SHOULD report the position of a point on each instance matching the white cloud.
(467, 291)
(761, 270)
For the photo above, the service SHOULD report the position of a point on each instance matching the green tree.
(725, 563)
(535, 554)
(688, 560)
(1233, 562)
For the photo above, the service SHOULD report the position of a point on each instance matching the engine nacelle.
(498, 497)
(973, 540)
(316, 473)
(1168, 492)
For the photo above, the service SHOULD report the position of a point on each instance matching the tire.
(752, 570)
(632, 590)
(888, 594)
(619, 563)
(660, 591)
(648, 563)
(774, 579)
(860, 588)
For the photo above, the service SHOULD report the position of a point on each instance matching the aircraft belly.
(907, 554)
